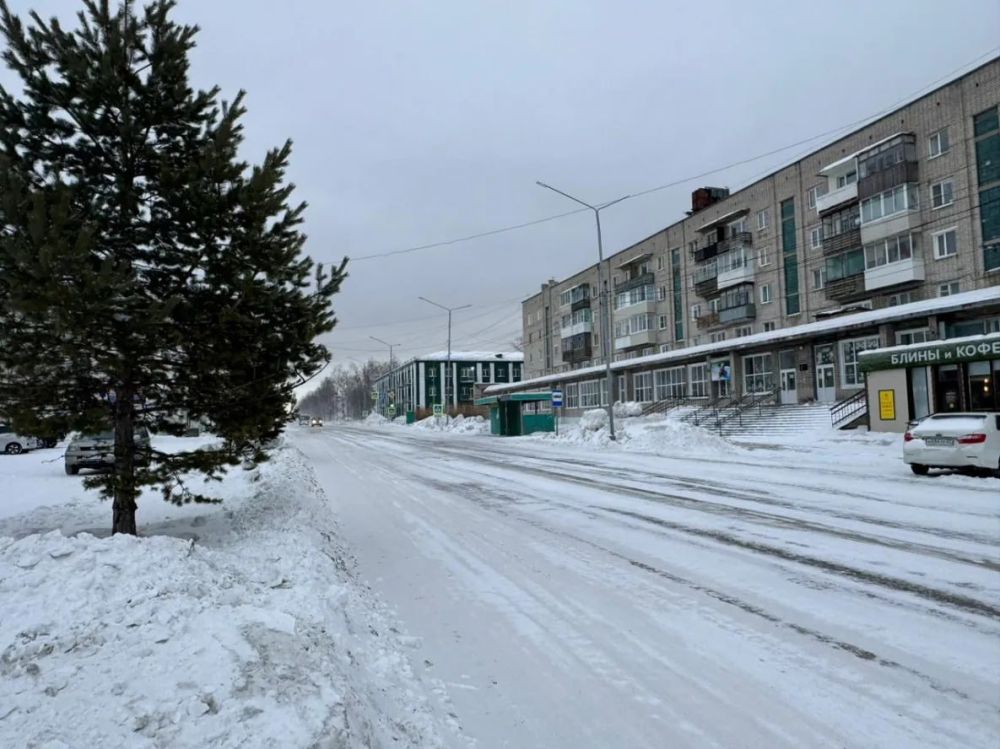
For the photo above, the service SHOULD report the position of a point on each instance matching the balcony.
(642, 338)
(705, 279)
(743, 312)
(836, 198)
(578, 328)
(643, 279)
(846, 240)
(736, 241)
(889, 226)
(582, 303)
(639, 308)
(734, 270)
(710, 320)
(885, 179)
(577, 349)
(909, 271)
(848, 289)
(706, 253)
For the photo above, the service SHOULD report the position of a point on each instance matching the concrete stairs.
(773, 421)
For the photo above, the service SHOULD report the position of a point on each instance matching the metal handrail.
(748, 403)
(848, 408)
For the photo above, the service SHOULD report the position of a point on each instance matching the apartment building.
(885, 220)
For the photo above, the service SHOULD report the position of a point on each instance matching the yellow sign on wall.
(887, 405)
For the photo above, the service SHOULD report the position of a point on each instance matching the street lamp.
(390, 345)
(605, 302)
(449, 310)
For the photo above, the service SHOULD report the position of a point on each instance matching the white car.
(954, 440)
(15, 444)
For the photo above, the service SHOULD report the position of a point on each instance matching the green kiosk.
(519, 413)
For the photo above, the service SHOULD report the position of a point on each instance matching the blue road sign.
(557, 398)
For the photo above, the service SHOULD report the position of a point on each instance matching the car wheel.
(920, 470)
(71, 470)
(13, 448)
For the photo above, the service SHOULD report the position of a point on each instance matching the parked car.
(12, 443)
(954, 440)
(97, 451)
(317, 422)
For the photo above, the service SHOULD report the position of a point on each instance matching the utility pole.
(603, 279)
(391, 347)
(449, 310)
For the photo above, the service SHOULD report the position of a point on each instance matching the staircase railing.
(663, 406)
(710, 411)
(747, 405)
(850, 409)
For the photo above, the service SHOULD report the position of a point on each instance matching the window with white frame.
(942, 193)
(816, 237)
(716, 337)
(664, 348)
(736, 227)
(743, 331)
(758, 374)
(670, 383)
(698, 377)
(642, 385)
(903, 297)
(769, 326)
(889, 250)
(850, 375)
(659, 263)
(938, 143)
(913, 335)
(634, 324)
(843, 180)
(813, 193)
(762, 219)
(662, 322)
(765, 294)
(713, 305)
(888, 203)
(763, 257)
(661, 293)
(590, 393)
(695, 311)
(945, 243)
(949, 289)
(819, 278)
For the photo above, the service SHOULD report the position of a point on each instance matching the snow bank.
(240, 626)
(652, 434)
(628, 409)
(375, 419)
(460, 424)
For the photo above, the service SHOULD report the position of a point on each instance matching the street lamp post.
(385, 343)
(449, 310)
(605, 301)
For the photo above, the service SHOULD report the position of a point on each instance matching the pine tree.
(148, 275)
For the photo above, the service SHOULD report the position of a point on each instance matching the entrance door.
(826, 389)
(789, 393)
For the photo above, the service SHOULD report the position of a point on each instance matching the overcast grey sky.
(419, 122)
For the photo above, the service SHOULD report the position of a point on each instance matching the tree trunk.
(125, 493)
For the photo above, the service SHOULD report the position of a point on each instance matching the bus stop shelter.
(517, 414)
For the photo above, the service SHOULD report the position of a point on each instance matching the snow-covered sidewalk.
(240, 624)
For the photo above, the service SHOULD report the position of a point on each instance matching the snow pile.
(461, 424)
(375, 419)
(249, 630)
(653, 434)
(628, 409)
(594, 420)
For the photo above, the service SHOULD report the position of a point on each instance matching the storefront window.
(699, 380)
(919, 392)
(758, 374)
(982, 385)
(849, 351)
(642, 384)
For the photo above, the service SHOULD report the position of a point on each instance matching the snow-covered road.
(567, 597)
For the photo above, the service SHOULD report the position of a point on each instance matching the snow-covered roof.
(632, 259)
(841, 162)
(473, 356)
(830, 325)
(988, 338)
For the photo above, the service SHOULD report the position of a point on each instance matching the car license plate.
(939, 441)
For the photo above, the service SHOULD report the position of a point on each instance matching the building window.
(763, 257)
(819, 278)
(634, 324)
(762, 219)
(813, 193)
(914, 335)
(572, 396)
(844, 180)
(949, 289)
(938, 143)
(695, 311)
(945, 243)
(591, 393)
(889, 203)
(675, 278)
(942, 193)
(743, 331)
(662, 322)
(664, 348)
(642, 385)
(717, 337)
(698, 377)
(903, 297)
(851, 376)
(891, 250)
(661, 293)
(659, 262)
(769, 326)
(816, 237)
(713, 304)
(765, 294)
(758, 374)
(669, 383)
(634, 296)
(790, 257)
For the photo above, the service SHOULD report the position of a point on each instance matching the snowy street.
(564, 596)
